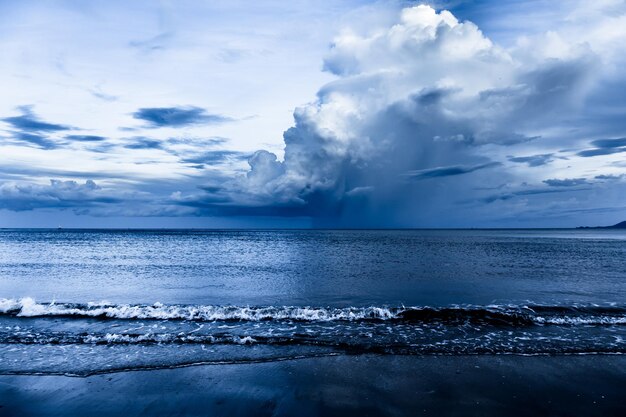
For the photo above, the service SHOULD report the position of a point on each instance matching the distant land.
(621, 225)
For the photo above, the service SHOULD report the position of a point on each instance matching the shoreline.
(360, 385)
(295, 358)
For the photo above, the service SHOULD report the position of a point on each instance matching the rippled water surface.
(79, 302)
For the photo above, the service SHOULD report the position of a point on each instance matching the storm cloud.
(414, 101)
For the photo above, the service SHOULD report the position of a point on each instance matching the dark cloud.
(605, 147)
(529, 193)
(448, 171)
(209, 208)
(31, 130)
(609, 143)
(533, 160)
(177, 116)
(29, 122)
(610, 177)
(140, 142)
(567, 182)
(57, 194)
(85, 138)
(600, 151)
(36, 139)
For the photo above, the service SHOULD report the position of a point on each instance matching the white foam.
(581, 321)
(27, 307)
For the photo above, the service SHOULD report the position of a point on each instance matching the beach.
(247, 323)
(346, 385)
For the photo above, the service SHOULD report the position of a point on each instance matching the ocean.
(86, 302)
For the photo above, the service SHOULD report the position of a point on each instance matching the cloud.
(604, 147)
(177, 116)
(155, 43)
(528, 193)
(211, 141)
(426, 91)
(533, 160)
(140, 142)
(410, 131)
(103, 96)
(30, 130)
(214, 157)
(610, 177)
(85, 138)
(57, 194)
(588, 153)
(36, 139)
(609, 143)
(567, 182)
(448, 171)
(29, 122)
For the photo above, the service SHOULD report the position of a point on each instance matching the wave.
(351, 345)
(497, 315)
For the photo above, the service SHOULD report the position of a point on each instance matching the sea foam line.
(27, 307)
(495, 315)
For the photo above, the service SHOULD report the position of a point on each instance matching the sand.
(337, 386)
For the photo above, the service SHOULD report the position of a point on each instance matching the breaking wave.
(497, 315)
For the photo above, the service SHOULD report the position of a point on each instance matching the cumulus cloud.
(177, 116)
(427, 97)
(56, 194)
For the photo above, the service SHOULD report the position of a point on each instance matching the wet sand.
(337, 386)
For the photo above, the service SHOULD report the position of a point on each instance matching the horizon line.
(296, 228)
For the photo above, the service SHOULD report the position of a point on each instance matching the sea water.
(79, 302)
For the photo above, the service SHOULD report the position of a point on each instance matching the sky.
(364, 114)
